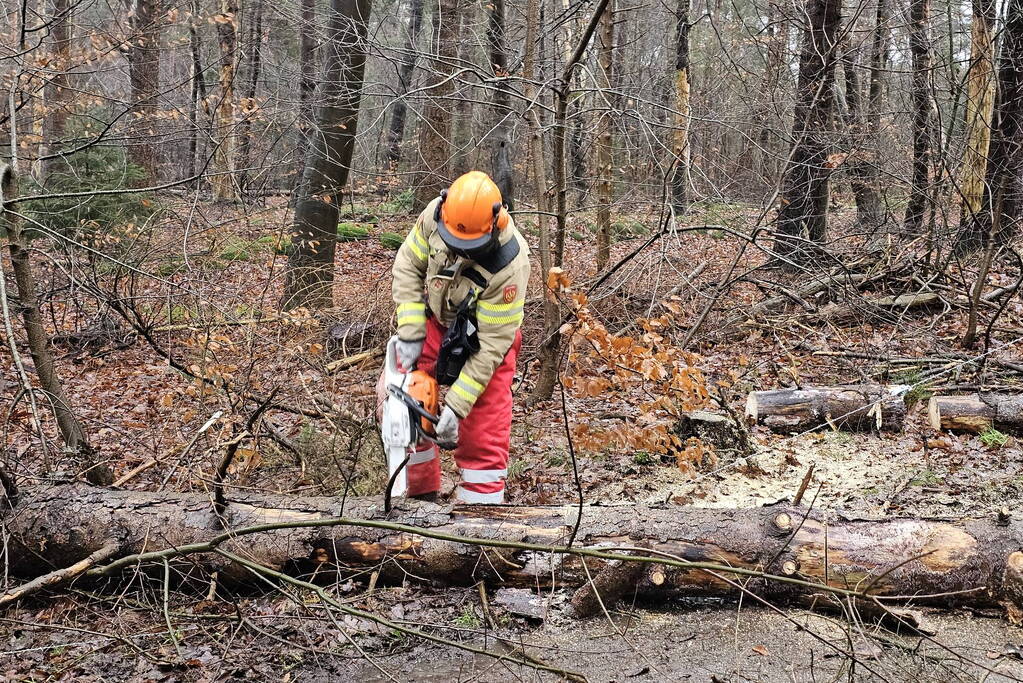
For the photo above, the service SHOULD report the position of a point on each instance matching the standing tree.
(804, 200)
(605, 138)
(1002, 209)
(500, 156)
(680, 144)
(396, 129)
(310, 275)
(435, 125)
(306, 83)
(144, 77)
(920, 48)
(57, 89)
(198, 93)
(980, 102)
(223, 181)
(253, 55)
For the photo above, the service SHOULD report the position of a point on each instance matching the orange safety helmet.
(423, 388)
(470, 215)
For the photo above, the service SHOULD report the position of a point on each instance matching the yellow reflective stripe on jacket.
(500, 314)
(411, 312)
(468, 388)
(417, 243)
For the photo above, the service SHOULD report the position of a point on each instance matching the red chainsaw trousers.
(483, 435)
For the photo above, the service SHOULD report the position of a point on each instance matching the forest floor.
(211, 291)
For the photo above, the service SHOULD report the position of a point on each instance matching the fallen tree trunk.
(924, 561)
(977, 413)
(867, 309)
(857, 407)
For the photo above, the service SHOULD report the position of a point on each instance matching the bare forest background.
(728, 203)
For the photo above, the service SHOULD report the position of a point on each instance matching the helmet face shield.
(472, 249)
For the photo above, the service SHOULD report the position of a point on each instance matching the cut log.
(857, 407)
(976, 413)
(939, 562)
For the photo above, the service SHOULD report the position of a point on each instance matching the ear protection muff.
(436, 212)
(501, 216)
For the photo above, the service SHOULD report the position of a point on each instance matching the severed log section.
(977, 413)
(964, 562)
(858, 407)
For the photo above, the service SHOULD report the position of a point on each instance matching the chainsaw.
(409, 415)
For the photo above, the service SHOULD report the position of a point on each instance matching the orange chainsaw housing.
(424, 389)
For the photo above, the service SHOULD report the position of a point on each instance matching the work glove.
(446, 431)
(408, 353)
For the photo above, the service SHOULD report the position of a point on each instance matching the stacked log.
(857, 407)
(977, 413)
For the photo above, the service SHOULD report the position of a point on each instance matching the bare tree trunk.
(310, 275)
(605, 139)
(435, 125)
(223, 180)
(547, 376)
(862, 168)
(1005, 169)
(980, 99)
(307, 39)
(57, 89)
(680, 145)
(144, 75)
(248, 103)
(920, 48)
(399, 110)
(804, 211)
(198, 95)
(71, 431)
(462, 143)
(500, 156)
(770, 122)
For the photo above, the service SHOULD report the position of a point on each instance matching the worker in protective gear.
(459, 284)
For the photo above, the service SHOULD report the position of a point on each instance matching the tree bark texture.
(980, 100)
(1002, 209)
(249, 106)
(198, 81)
(310, 274)
(500, 155)
(307, 65)
(605, 140)
(72, 433)
(804, 199)
(858, 407)
(436, 124)
(939, 562)
(977, 413)
(56, 92)
(920, 49)
(223, 180)
(144, 77)
(399, 111)
(680, 134)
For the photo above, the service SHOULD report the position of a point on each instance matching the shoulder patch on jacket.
(509, 293)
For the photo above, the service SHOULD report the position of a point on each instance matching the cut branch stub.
(976, 413)
(860, 407)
